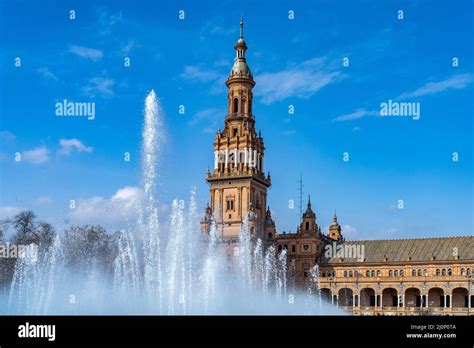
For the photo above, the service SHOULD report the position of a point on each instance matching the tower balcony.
(239, 116)
(246, 174)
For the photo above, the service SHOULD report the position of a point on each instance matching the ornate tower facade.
(335, 229)
(238, 185)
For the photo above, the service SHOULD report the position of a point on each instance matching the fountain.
(169, 271)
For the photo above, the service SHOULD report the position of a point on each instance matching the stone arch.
(345, 297)
(412, 297)
(459, 297)
(389, 297)
(326, 294)
(367, 297)
(436, 297)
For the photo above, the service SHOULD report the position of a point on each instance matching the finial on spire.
(241, 25)
(335, 216)
(309, 200)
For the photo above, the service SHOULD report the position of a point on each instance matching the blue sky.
(295, 62)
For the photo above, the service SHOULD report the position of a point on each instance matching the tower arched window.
(463, 272)
(444, 272)
(413, 272)
(307, 225)
(450, 272)
(235, 105)
(395, 273)
(438, 272)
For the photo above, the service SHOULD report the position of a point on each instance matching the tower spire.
(241, 26)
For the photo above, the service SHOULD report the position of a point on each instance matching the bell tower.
(238, 185)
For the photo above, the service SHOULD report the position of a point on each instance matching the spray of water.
(171, 270)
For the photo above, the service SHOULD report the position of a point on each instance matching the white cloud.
(45, 72)
(122, 206)
(9, 211)
(455, 82)
(198, 74)
(7, 136)
(302, 81)
(107, 20)
(348, 231)
(36, 156)
(222, 30)
(211, 114)
(356, 115)
(99, 86)
(127, 47)
(68, 145)
(86, 52)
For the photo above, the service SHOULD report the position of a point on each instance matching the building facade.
(427, 276)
